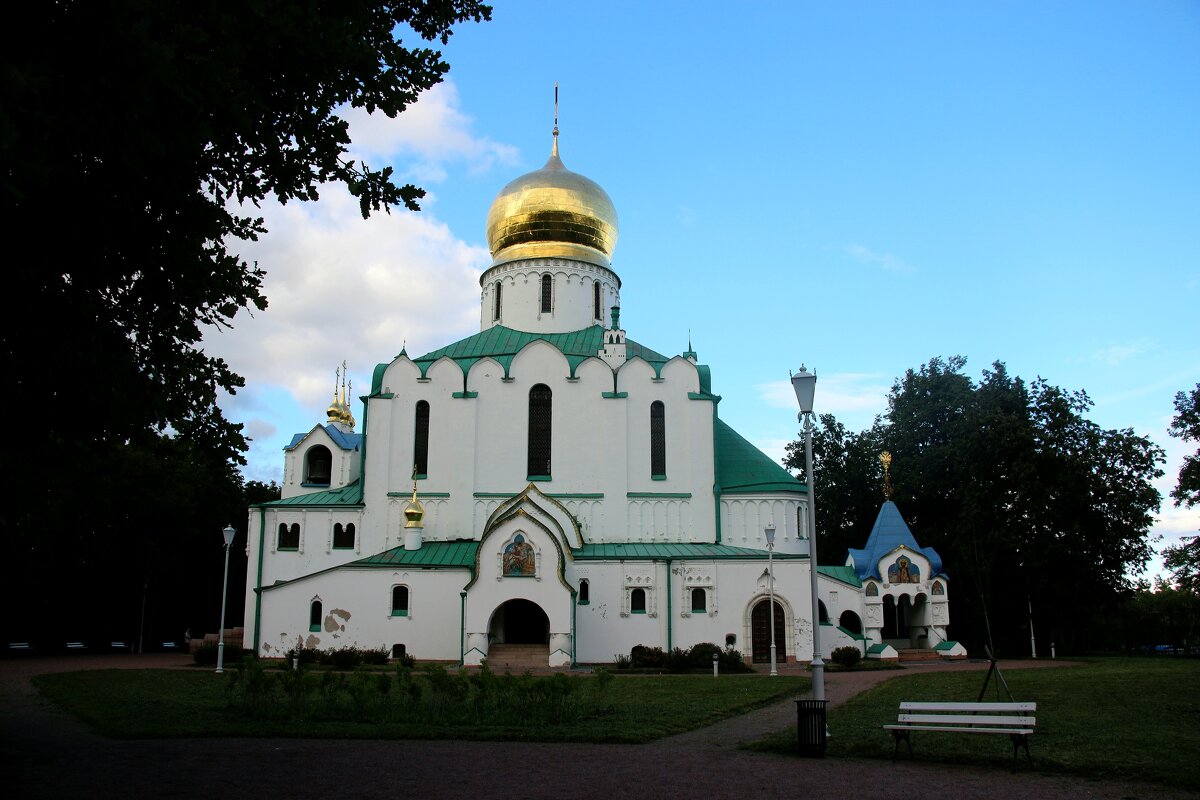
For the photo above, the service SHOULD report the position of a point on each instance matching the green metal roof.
(744, 469)
(658, 550)
(348, 495)
(844, 574)
(432, 554)
(502, 344)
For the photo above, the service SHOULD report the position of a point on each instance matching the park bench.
(1016, 720)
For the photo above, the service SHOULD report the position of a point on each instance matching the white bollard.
(715, 662)
(1052, 655)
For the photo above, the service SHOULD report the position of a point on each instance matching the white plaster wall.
(744, 518)
(573, 301)
(356, 606)
(344, 468)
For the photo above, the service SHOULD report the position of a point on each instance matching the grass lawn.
(140, 704)
(1110, 717)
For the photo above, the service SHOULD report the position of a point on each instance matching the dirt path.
(48, 754)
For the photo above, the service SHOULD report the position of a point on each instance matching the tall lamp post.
(228, 533)
(805, 385)
(770, 532)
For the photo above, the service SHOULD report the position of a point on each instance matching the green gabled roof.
(744, 469)
(844, 574)
(658, 550)
(502, 344)
(349, 495)
(432, 554)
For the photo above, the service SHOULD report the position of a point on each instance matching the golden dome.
(552, 213)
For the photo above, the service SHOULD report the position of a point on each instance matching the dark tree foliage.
(1025, 498)
(129, 132)
(1183, 560)
(848, 487)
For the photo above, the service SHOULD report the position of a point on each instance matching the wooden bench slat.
(969, 719)
(1012, 707)
(950, 729)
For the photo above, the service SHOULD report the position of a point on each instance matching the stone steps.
(917, 654)
(518, 657)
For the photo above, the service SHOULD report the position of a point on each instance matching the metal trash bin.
(810, 727)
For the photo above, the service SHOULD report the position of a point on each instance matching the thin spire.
(554, 150)
(885, 458)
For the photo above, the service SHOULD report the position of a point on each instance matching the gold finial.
(335, 409)
(414, 513)
(885, 458)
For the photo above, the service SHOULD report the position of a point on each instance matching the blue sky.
(855, 186)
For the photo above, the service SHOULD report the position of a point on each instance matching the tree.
(1027, 501)
(848, 484)
(132, 135)
(1183, 560)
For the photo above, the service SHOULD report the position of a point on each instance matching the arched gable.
(680, 370)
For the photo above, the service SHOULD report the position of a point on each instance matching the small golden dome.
(414, 514)
(552, 213)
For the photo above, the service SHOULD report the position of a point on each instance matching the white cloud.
(886, 261)
(426, 136)
(1113, 355)
(853, 397)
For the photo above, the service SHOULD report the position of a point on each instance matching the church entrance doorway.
(760, 634)
(520, 622)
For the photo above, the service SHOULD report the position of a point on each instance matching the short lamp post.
(228, 533)
(805, 385)
(770, 532)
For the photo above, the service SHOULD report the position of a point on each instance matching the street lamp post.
(228, 533)
(770, 532)
(805, 385)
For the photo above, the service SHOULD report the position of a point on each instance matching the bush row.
(696, 657)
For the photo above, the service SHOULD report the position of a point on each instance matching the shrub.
(206, 654)
(642, 657)
(846, 656)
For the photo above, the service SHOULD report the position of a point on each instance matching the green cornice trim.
(465, 395)
(713, 398)
(614, 395)
(658, 495)
(419, 494)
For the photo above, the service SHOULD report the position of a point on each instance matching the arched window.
(596, 300)
(343, 536)
(314, 616)
(289, 538)
(658, 440)
(699, 601)
(850, 621)
(547, 292)
(539, 432)
(318, 465)
(637, 601)
(584, 592)
(421, 439)
(496, 302)
(822, 612)
(399, 601)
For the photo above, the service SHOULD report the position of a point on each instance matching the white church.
(552, 485)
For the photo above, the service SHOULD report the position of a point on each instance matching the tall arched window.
(637, 601)
(496, 302)
(547, 292)
(399, 601)
(421, 439)
(318, 465)
(658, 440)
(314, 616)
(539, 431)
(596, 300)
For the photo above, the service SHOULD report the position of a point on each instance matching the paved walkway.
(46, 753)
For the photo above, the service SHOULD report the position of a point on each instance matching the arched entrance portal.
(760, 633)
(519, 622)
